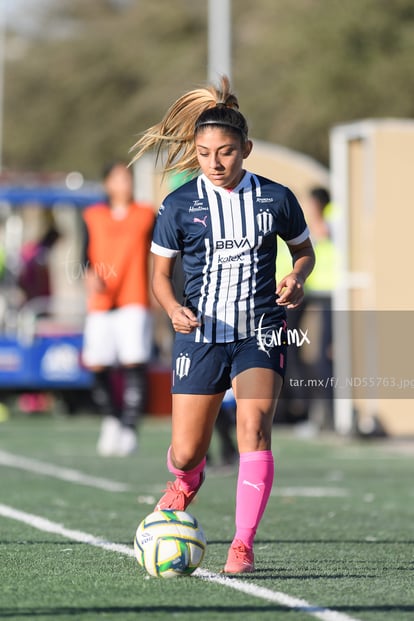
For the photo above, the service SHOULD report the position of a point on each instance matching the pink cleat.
(177, 498)
(240, 559)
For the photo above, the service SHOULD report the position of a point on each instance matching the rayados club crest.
(182, 365)
(265, 221)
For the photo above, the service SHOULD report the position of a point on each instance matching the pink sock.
(189, 479)
(254, 485)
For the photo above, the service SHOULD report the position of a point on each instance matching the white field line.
(311, 492)
(75, 476)
(57, 472)
(294, 603)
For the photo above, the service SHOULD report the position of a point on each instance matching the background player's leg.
(134, 398)
(104, 398)
(133, 329)
(99, 355)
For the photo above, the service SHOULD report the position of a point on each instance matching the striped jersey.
(228, 244)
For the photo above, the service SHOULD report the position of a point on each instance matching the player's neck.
(119, 210)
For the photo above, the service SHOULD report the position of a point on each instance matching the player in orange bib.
(118, 329)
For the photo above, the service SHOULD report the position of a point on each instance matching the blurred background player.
(34, 280)
(320, 214)
(118, 327)
(225, 427)
(34, 275)
(312, 403)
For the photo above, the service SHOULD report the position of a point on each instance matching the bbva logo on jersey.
(182, 365)
(264, 221)
(229, 244)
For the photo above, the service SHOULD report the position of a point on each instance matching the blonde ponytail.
(175, 133)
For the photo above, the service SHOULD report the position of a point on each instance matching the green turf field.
(336, 542)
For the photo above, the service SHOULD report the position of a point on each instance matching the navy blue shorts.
(208, 368)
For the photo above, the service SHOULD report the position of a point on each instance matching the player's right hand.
(184, 320)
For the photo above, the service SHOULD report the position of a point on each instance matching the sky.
(21, 14)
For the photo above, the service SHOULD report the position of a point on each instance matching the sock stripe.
(256, 456)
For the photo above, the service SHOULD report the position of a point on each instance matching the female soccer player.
(230, 327)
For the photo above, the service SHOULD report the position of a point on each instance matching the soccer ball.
(169, 543)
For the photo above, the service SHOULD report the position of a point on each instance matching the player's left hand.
(290, 291)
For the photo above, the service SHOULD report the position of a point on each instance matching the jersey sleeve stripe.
(163, 252)
(299, 239)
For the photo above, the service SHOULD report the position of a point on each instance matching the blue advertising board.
(48, 362)
(45, 361)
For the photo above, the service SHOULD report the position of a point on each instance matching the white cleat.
(127, 442)
(108, 441)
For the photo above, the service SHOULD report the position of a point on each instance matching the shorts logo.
(182, 365)
(265, 221)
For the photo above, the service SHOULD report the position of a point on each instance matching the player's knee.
(184, 458)
(253, 436)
